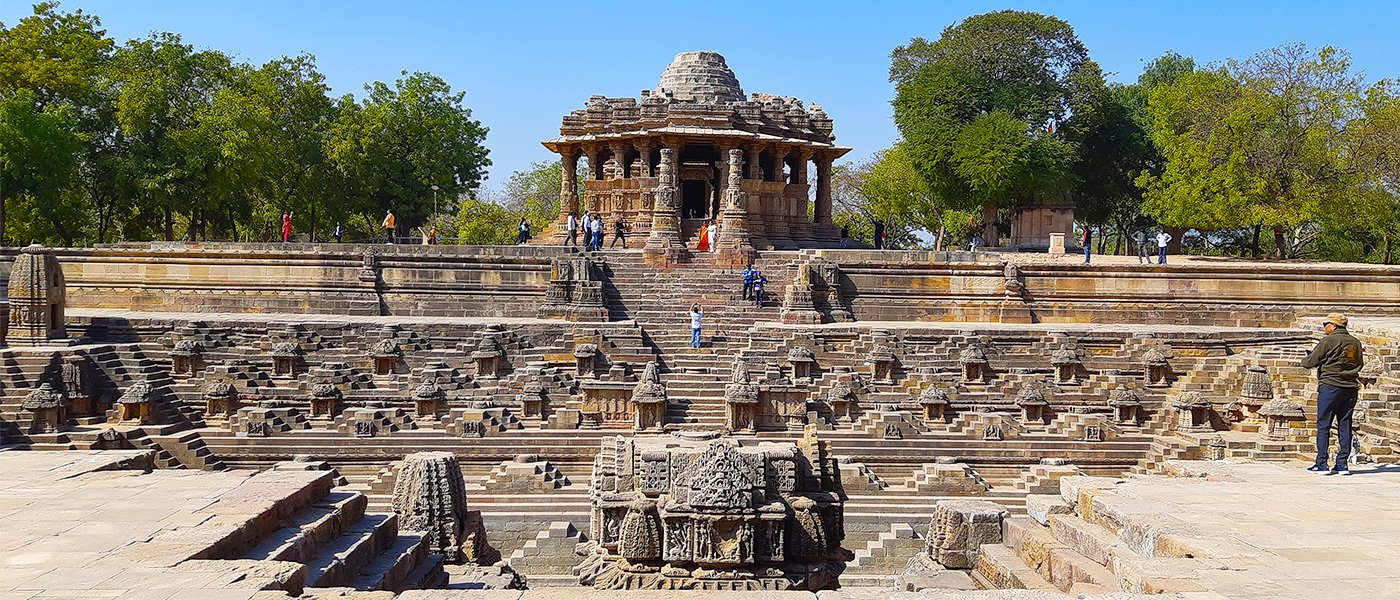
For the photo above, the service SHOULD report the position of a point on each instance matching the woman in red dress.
(286, 226)
(704, 245)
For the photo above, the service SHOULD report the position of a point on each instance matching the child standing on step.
(695, 315)
(758, 281)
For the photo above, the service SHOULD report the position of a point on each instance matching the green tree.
(39, 149)
(896, 193)
(269, 129)
(163, 86)
(1115, 148)
(52, 83)
(56, 55)
(401, 141)
(978, 108)
(1373, 144)
(1254, 144)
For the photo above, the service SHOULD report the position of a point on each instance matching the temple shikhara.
(698, 149)
(438, 422)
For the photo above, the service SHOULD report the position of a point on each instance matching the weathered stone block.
(1041, 506)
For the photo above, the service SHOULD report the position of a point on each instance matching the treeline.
(155, 139)
(1289, 152)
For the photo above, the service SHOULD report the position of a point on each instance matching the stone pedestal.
(1057, 244)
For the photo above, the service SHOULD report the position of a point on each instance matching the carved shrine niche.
(713, 515)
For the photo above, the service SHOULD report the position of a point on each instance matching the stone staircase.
(328, 530)
(1066, 543)
(548, 559)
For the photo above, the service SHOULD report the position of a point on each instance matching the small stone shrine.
(36, 294)
(714, 515)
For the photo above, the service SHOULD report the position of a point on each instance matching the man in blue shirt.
(748, 282)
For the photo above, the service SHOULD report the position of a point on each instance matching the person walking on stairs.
(619, 233)
(748, 282)
(695, 315)
(758, 281)
(597, 233)
(587, 231)
(1140, 240)
(571, 228)
(1338, 360)
(1086, 239)
(703, 245)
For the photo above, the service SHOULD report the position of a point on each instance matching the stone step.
(311, 530)
(392, 568)
(343, 560)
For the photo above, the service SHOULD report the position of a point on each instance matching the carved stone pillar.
(799, 227)
(589, 202)
(735, 247)
(644, 150)
(822, 210)
(775, 222)
(664, 246)
(568, 188)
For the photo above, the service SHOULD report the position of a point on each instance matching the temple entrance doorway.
(694, 199)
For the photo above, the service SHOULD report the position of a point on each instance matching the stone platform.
(101, 525)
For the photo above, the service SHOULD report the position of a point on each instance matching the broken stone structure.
(714, 515)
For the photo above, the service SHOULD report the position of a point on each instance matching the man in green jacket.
(1338, 360)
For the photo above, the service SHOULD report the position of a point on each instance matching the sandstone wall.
(884, 286)
(501, 281)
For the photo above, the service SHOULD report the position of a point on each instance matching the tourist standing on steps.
(1163, 238)
(879, 233)
(1140, 238)
(703, 244)
(390, 223)
(522, 231)
(587, 231)
(286, 227)
(598, 233)
(571, 226)
(976, 241)
(1338, 360)
(845, 237)
(338, 232)
(758, 281)
(619, 233)
(749, 272)
(695, 315)
(1086, 240)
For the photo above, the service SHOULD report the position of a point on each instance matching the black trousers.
(1334, 404)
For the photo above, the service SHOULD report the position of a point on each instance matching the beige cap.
(1337, 319)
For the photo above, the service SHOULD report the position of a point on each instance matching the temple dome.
(700, 77)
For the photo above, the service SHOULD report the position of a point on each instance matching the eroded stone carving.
(960, 527)
(713, 515)
(47, 408)
(430, 496)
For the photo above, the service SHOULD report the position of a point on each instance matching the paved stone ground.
(1273, 531)
(97, 525)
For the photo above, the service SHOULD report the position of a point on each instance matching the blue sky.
(526, 64)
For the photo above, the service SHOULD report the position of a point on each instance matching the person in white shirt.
(587, 231)
(695, 315)
(572, 227)
(1162, 239)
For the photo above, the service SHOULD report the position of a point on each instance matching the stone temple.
(697, 149)
(274, 421)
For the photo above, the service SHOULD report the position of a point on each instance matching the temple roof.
(700, 77)
(699, 96)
